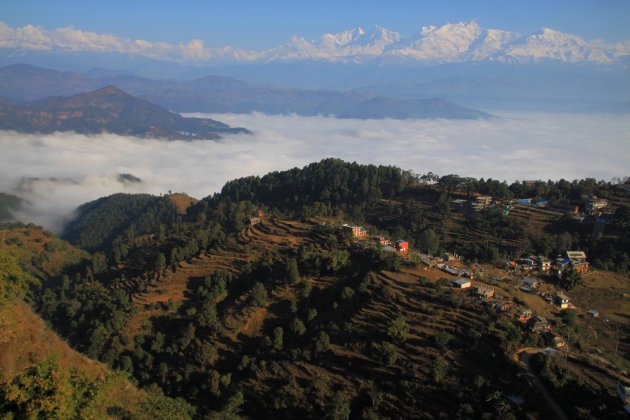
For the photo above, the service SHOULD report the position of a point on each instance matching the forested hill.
(108, 110)
(100, 222)
(406, 205)
(324, 186)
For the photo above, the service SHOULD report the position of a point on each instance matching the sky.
(58, 172)
(260, 24)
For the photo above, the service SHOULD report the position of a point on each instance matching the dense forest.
(321, 308)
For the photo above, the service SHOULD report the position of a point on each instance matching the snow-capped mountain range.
(460, 42)
(450, 43)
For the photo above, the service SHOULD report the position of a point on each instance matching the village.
(542, 303)
(524, 274)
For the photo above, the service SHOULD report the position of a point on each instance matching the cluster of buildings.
(359, 232)
(528, 321)
(572, 259)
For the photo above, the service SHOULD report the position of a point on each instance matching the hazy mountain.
(220, 94)
(111, 110)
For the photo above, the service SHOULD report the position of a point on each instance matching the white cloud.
(70, 39)
(514, 147)
(194, 51)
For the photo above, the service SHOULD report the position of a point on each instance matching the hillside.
(111, 110)
(291, 344)
(214, 94)
(40, 374)
(246, 303)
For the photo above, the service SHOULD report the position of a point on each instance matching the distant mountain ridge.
(111, 110)
(214, 94)
(449, 43)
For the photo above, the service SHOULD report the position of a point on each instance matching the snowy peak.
(448, 43)
(452, 42)
(550, 45)
(351, 45)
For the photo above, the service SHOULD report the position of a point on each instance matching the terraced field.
(171, 287)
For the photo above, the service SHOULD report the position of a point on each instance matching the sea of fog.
(58, 172)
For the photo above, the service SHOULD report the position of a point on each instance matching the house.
(543, 263)
(592, 204)
(553, 340)
(538, 324)
(357, 231)
(389, 248)
(253, 221)
(562, 300)
(525, 264)
(502, 307)
(481, 202)
(541, 204)
(459, 204)
(577, 260)
(523, 316)
(594, 313)
(402, 246)
(381, 240)
(461, 283)
(450, 270)
(484, 292)
(531, 283)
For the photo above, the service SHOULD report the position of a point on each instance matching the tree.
(298, 327)
(430, 241)
(206, 354)
(322, 342)
(187, 337)
(339, 408)
(47, 391)
(208, 317)
(160, 261)
(440, 368)
(278, 338)
(259, 294)
(571, 279)
(158, 406)
(442, 339)
(569, 317)
(293, 274)
(398, 329)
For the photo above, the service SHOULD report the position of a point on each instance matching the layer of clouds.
(58, 172)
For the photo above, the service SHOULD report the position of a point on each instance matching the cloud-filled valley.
(58, 172)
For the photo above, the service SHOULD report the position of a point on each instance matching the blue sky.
(258, 24)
